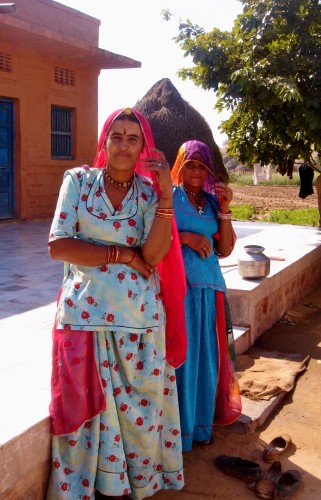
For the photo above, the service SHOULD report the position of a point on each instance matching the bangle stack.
(220, 215)
(164, 213)
(113, 254)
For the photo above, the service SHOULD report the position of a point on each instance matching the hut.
(174, 121)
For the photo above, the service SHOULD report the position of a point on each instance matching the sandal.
(276, 447)
(204, 443)
(264, 488)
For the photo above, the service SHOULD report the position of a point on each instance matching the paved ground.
(29, 283)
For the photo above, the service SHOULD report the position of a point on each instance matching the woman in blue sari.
(208, 391)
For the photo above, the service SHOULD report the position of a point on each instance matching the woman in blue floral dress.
(115, 419)
(207, 382)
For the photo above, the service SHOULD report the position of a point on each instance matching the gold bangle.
(163, 216)
(107, 253)
(111, 257)
(117, 254)
(112, 254)
(165, 210)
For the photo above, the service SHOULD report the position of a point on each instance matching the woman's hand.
(141, 266)
(197, 242)
(136, 261)
(224, 196)
(159, 165)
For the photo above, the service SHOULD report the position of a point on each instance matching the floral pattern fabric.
(91, 295)
(134, 446)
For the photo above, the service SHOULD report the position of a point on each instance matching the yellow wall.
(32, 86)
(39, 36)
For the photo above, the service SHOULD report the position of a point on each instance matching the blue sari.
(207, 382)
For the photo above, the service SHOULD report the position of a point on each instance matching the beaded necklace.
(197, 198)
(116, 184)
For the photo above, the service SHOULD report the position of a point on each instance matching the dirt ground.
(271, 197)
(298, 415)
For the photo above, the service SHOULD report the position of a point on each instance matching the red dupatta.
(171, 268)
(228, 403)
(76, 391)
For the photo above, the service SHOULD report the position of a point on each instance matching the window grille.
(61, 133)
(5, 62)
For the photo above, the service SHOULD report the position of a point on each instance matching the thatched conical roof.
(174, 121)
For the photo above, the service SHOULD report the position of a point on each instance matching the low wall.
(257, 309)
(25, 464)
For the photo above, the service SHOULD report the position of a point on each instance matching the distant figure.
(262, 173)
(207, 383)
(306, 179)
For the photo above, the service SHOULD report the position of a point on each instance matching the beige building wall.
(39, 43)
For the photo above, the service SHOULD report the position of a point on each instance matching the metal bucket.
(253, 264)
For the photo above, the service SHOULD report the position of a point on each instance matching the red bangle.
(132, 260)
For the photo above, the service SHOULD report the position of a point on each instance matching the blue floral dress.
(134, 446)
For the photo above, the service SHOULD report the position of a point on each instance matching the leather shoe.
(289, 484)
(238, 467)
(276, 447)
(264, 488)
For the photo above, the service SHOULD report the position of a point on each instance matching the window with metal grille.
(5, 62)
(61, 133)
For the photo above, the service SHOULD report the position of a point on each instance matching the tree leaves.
(267, 73)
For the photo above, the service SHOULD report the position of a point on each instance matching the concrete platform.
(256, 304)
(29, 283)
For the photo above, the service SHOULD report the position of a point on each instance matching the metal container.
(253, 264)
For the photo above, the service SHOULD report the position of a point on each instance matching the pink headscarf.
(100, 160)
(171, 269)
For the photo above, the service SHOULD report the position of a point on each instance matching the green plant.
(277, 180)
(303, 217)
(243, 212)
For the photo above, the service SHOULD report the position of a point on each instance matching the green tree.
(267, 73)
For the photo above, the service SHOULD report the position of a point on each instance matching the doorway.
(6, 160)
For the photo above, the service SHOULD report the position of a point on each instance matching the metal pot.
(253, 264)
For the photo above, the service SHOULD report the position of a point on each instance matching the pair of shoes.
(276, 447)
(204, 443)
(276, 485)
(264, 488)
(238, 467)
(288, 485)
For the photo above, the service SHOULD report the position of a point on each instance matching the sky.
(136, 29)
